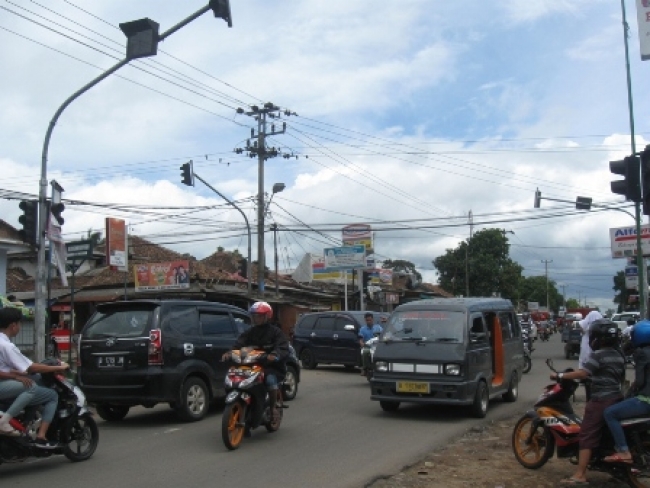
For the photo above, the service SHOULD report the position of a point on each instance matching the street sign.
(79, 250)
(623, 241)
(346, 257)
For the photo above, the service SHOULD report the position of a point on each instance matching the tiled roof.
(8, 231)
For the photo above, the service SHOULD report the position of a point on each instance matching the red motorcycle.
(553, 426)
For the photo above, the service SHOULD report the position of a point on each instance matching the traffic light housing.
(56, 209)
(29, 221)
(365, 280)
(187, 174)
(645, 180)
(243, 268)
(630, 185)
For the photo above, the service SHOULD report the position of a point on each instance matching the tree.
(95, 237)
(400, 265)
(533, 289)
(623, 296)
(572, 303)
(485, 260)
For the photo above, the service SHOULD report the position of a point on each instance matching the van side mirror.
(477, 336)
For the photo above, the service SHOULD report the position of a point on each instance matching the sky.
(408, 116)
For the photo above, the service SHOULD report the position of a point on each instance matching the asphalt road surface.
(332, 435)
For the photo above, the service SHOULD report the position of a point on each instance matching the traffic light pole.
(248, 227)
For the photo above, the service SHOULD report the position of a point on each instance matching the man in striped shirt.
(605, 367)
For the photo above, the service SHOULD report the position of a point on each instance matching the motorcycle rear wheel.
(233, 424)
(528, 364)
(639, 477)
(535, 454)
(273, 426)
(84, 437)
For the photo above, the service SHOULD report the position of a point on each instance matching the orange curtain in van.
(497, 351)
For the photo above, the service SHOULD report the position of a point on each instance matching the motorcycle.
(369, 349)
(528, 348)
(544, 334)
(552, 426)
(73, 428)
(247, 401)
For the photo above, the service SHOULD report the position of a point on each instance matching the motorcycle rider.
(21, 387)
(605, 367)
(637, 405)
(267, 336)
(367, 332)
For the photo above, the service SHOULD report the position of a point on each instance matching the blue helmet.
(640, 334)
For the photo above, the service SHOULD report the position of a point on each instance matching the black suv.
(145, 352)
(330, 338)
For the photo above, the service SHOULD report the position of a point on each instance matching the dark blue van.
(452, 351)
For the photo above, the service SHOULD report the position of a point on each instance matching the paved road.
(332, 436)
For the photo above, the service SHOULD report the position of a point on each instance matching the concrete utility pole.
(258, 148)
(546, 263)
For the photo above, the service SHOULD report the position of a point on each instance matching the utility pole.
(258, 148)
(467, 254)
(546, 262)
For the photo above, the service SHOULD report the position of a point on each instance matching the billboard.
(623, 241)
(171, 275)
(346, 257)
(643, 19)
(358, 234)
(116, 254)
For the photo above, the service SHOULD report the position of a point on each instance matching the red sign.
(171, 275)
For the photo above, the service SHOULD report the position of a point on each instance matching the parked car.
(145, 352)
(623, 319)
(330, 338)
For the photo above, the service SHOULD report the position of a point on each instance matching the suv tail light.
(77, 345)
(155, 347)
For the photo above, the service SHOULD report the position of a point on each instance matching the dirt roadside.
(483, 457)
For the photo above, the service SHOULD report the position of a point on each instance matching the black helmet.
(604, 333)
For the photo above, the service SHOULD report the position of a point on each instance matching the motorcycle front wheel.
(233, 424)
(535, 453)
(84, 437)
(271, 425)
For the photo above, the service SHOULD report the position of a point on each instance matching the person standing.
(367, 332)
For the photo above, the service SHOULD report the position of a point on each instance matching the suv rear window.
(119, 323)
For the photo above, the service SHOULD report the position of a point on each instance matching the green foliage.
(485, 260)
(533, 289)
(401, 265)
(622, 297)
(572, 303)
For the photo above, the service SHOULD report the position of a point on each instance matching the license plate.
(412, 387)
(110, 361)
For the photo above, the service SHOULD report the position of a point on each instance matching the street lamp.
(142, 41)
(277, 188)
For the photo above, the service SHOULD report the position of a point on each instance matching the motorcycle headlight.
(381, 366)
(452, 369)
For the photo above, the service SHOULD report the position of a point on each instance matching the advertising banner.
(172, 275)
(623, 241)
(643, 18)
(346, 257)
(358, 234)
(116, 254)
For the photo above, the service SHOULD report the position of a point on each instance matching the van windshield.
(426, 325)
(118, 323)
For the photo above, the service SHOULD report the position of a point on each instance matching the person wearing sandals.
(639, 404)
(605, 367)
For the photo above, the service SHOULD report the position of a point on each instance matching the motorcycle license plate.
(412, 387)
(110, 361)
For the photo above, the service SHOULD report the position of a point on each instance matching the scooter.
(528, 348)
(552, 426)
(369, 349)
(247, 402)
(73, 428)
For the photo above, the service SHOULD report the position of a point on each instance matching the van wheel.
(513, 390)
(308, 359)
(481, 400)
(387, 406)
(193, 402)
(111, 413)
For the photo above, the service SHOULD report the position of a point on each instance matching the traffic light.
(366, 280)
(630, 186)
(56, 210)
(243, 268)
(187, 174)
(645, 180)
(29, 221)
